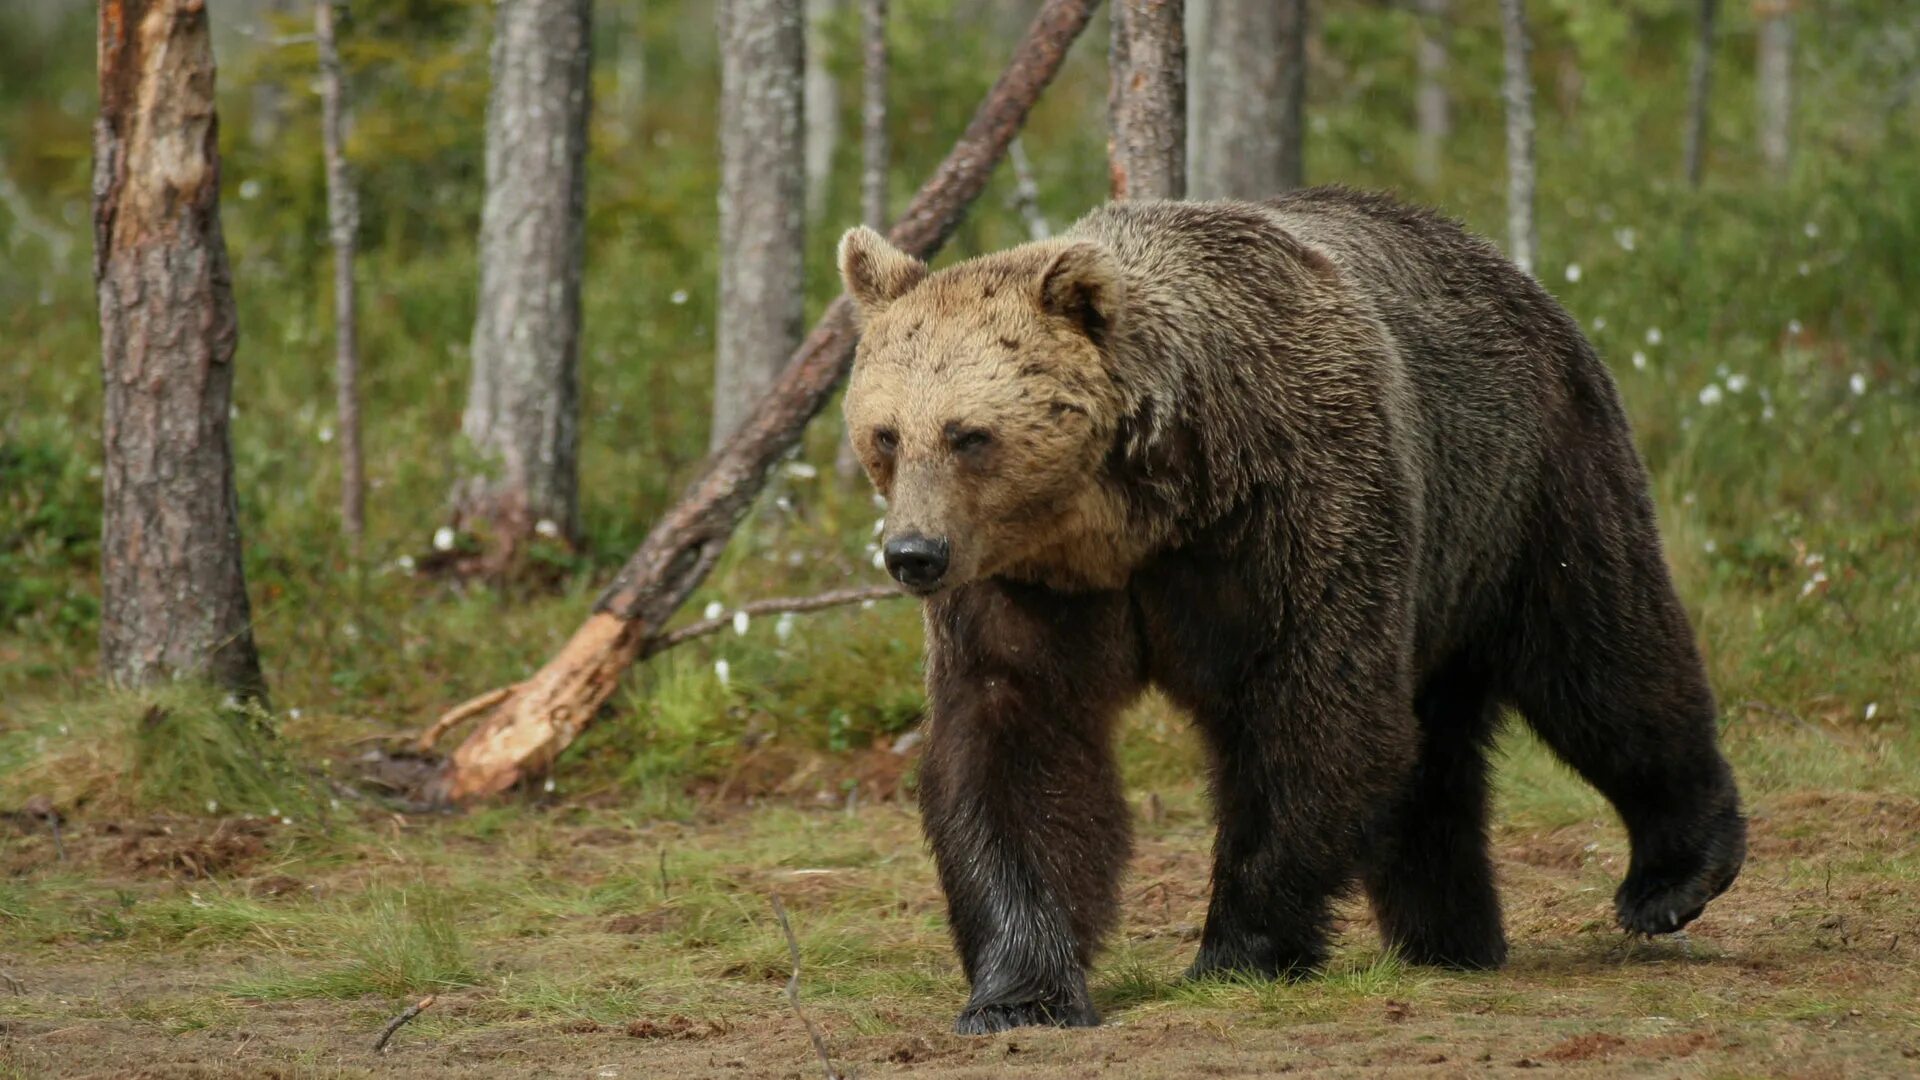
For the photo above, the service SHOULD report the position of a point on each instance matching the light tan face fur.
(980, 403)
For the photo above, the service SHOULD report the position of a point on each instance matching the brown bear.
(1342, 482)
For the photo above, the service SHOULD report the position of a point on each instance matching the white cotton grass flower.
(212, 807)
(545, 527)
(1639, 360)
(1793, 327)
(326, 434)
(1857, 383)
(879, 526)
(800, 470)
(249, 189)
(1599, 323)
(1625, 238)
(1573, 273)
(740, 623)
(1736, 382)
(1806, 268)
(879, 501)
(286, 821)
(723, 672)
(713, 610)
(1711, 395)
(783, 627)
(679, 297)
(443, 538)
(1654, 336)
(1812, 229)
(549, 786)
(404, 564)
(879, 560)
(1873, 709)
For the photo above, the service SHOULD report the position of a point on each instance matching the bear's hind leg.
(1427, 872)
(1609, 677)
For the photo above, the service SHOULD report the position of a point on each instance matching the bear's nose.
(916, 561)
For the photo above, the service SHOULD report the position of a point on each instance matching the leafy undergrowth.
(576, 936)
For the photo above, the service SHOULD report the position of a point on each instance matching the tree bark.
(1252, 121)
(1147, 100)
(523, 410)
(1518, 93)
(762, 203)
(343, 219)
(822, 107)
(874, 153)
(541, 716)
(1773, 84)
(1432, 105)
(174, 601)
(1700, 85)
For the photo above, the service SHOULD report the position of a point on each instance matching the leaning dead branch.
(865, 594)
(541, 716)
(793, 992)
(393, 1025)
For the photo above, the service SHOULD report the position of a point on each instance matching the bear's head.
(983, 405)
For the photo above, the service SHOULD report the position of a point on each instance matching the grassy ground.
(578, 937)
(237, 898)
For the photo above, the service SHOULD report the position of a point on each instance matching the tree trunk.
(174, 601)
(874, 159)
(1699, 87)
(343, 218)
(822, 107)
(1773, 84)
(874, 153)
(1147, 100)
(762, 204)
(1252, 121)
(629, 61)
(267, 98)
(1431, 104)
(538, 718)
(523, 410)
(1518, 92)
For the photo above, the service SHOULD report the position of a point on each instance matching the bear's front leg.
(1019, 794)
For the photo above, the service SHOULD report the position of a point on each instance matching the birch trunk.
(1773, 84)
(1518, 93)
(1700, 85)
(1147, 100)
(523, 407)
(174, 596)
(762, 203)
(822, 107)
(343, 219)
(1432, 106)
(1252, 120)
(874, 151)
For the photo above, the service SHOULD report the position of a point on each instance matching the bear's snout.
(916, 561)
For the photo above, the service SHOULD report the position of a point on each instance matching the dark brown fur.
(1342, 482)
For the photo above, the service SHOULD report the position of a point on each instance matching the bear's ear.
(1083, 285)
(875, 272)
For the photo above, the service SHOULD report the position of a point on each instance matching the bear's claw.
(1663, 899)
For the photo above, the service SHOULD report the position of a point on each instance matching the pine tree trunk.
(523, 405)
(822, 106)
(1432, 106)
(762, 203)
(1147, 100)
(1773, 84)
(1700, 85)
(1518, 93)
(343, 219)
(1252, 121)
(174, 601)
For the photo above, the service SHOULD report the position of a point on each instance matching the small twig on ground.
(793, 992)
(1786, 714)
(17, 987)
(775, 606)
(42, 807)
(393, 1025)
(663, 874)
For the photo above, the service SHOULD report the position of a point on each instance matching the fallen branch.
(475, 706)
(17, 987)
(393, 1025)
(793, 992)
(540, 717)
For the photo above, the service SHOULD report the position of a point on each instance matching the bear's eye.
(968, 440)
(885, 441)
